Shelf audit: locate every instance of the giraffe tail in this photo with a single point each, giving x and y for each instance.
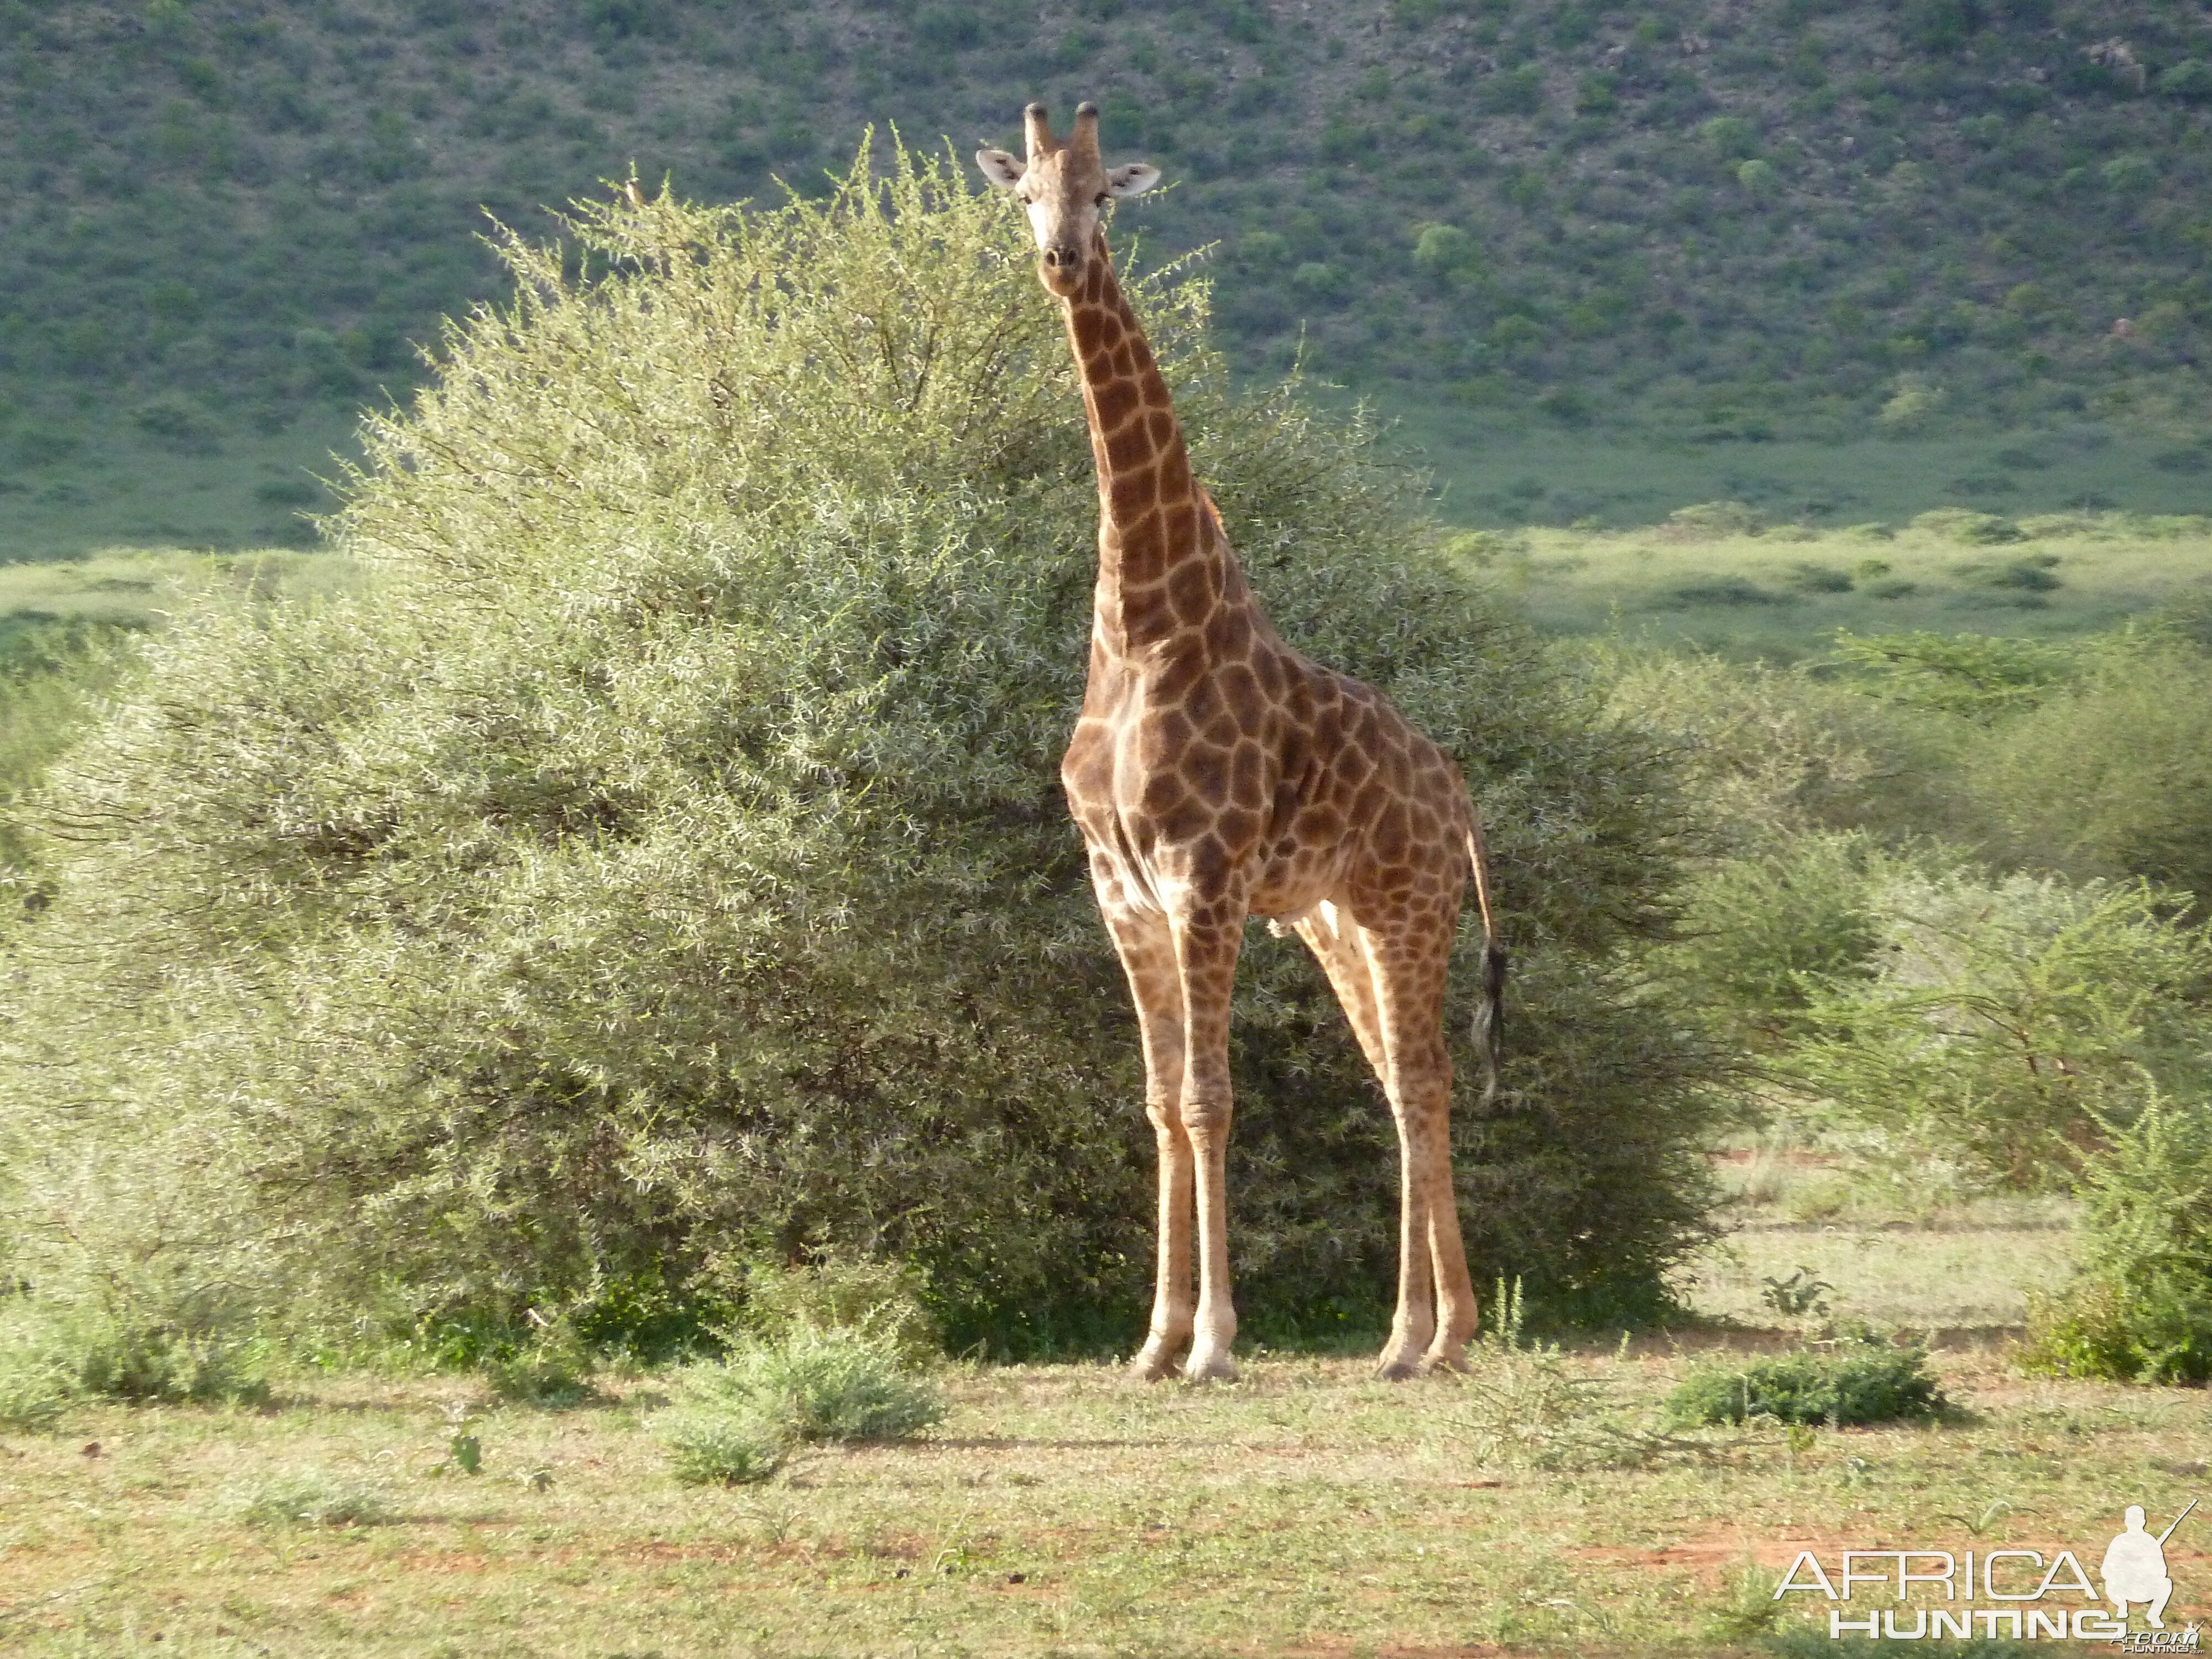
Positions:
(1490, 1012)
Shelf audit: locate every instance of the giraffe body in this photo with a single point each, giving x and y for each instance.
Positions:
(1217, 774)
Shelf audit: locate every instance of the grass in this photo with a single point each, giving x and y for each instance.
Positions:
(1971, 1276)
(1783, 593)
(129, 585)
(1888, 1253)
(1058, 1510)
(1493, 470)
(312, 1497)
(121, 492)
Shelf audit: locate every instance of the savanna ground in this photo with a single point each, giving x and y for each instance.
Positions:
(1532, 1507)
(1061, 1509)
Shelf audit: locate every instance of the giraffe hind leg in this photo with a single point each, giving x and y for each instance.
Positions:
(1407, 965)
(1432, 1260)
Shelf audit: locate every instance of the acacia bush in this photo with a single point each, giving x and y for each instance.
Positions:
(2112, 774)
(1772, 753)
(2000, 1025)
(661, 863)
(2141, 1309)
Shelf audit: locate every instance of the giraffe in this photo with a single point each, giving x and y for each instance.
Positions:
(1216, 773)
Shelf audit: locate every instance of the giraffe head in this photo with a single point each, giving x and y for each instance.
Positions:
(1063, 186)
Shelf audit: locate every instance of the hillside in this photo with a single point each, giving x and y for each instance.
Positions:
(1702, 224)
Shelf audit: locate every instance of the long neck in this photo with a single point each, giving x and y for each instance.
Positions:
(1164, 565)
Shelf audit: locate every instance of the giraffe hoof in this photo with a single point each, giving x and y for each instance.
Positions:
(1393, 1370)
(1443, 1362)
(1214, 1367)
(1155, 1360)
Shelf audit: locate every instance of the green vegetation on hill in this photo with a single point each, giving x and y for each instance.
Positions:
(1681, 219)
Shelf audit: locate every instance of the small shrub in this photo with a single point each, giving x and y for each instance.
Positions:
(1771, 753)
(1712, 522)
(1484, 548)
(181, 423)
(142, 1357)
(825, 1385)
(1866, 1383)
(1569, 405)
(1758, 928)
(727, 1448)
(738, 1419)
(288, 492)
(1809, 578)
(1515, 92)
(33, 1390)
(2189, 80)
(555, 1371)
(2031, 575)
(1720, 589)
(315, 1498)
(1445, 252)
(1972, 529)
(1530, 1407)
(1801, 1294)
(2009, 1020)
(867, 1295)
(1729, 136)
(2157, 1329)
(2128, 176)
(1263, 248)
(1911, 407)
(1977, 675)
(2109, 773)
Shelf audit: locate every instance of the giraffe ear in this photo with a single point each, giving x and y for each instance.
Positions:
(1003, 171)
(1132, 180)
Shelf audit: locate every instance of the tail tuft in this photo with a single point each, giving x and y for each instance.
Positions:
(1490, 1016)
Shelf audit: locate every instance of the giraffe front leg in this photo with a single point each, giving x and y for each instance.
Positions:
(1206, 950)
(1173, 1313)
(1147, 951)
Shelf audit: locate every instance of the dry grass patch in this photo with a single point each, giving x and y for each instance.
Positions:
(1865, 1251)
